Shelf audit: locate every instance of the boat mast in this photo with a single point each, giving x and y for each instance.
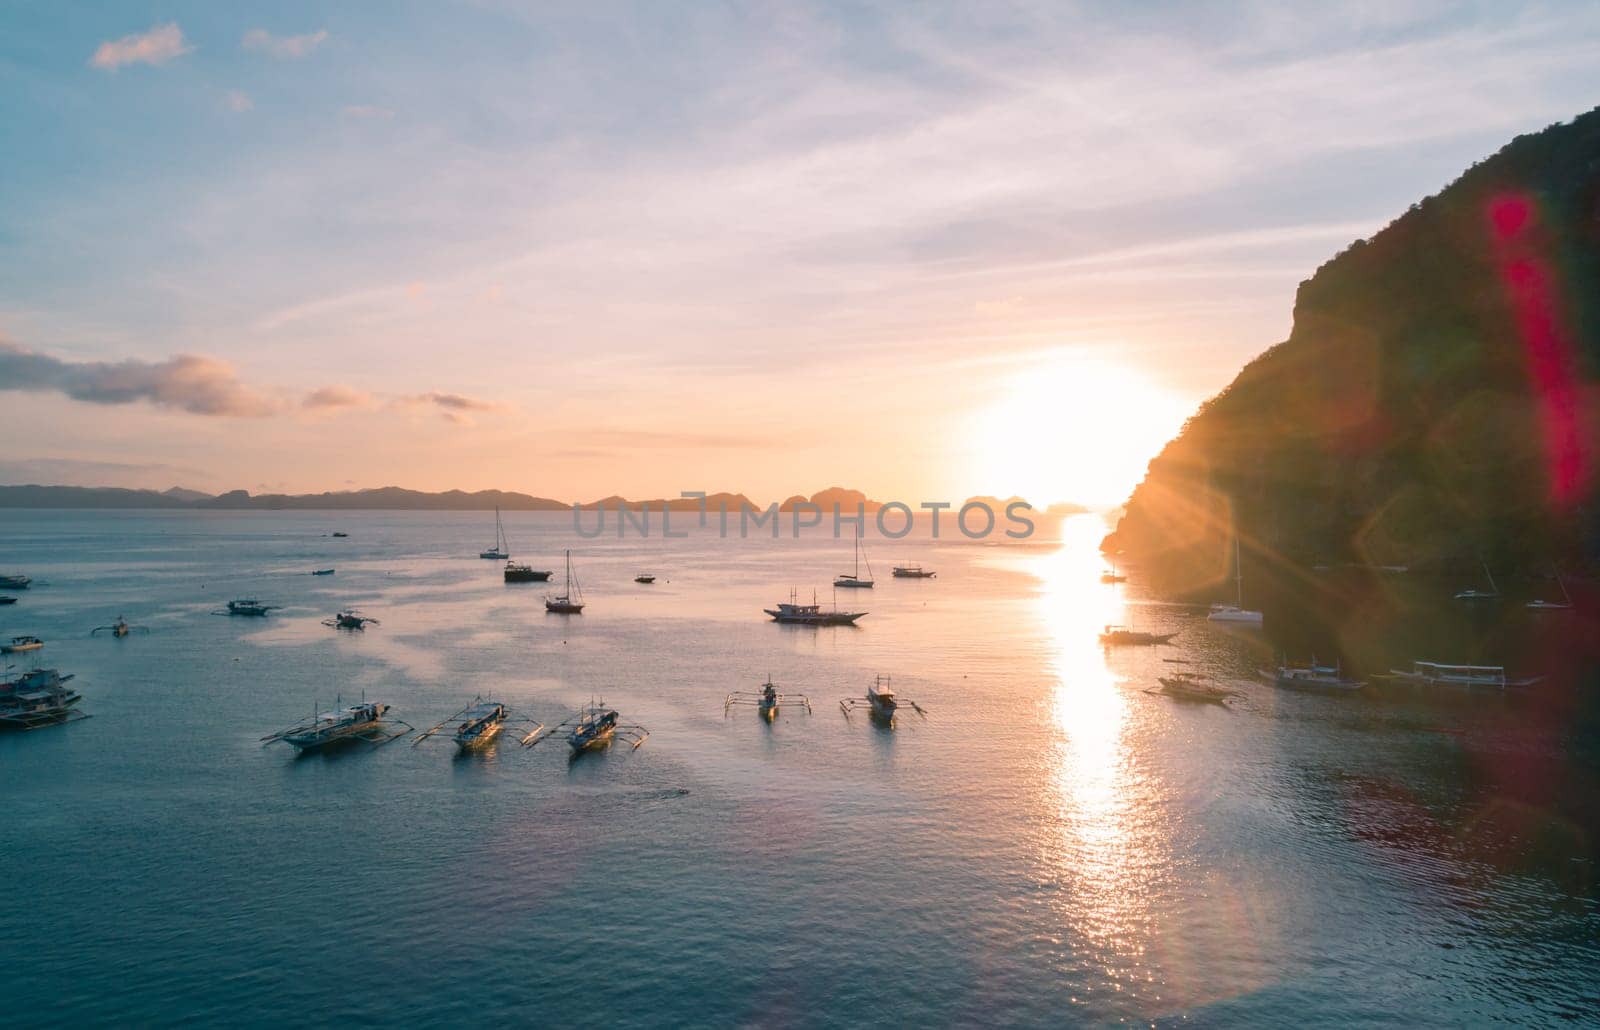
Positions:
(1238, 570)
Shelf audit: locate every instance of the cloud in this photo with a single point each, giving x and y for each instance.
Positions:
(452, 407)
(331, 398)
(367, 111)
(158, 46)
(238, 101)
(188, 382)
(288, 48)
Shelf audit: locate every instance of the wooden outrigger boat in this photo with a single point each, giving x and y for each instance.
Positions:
(881, 702)
(14, 582)
(119, 629)
(645, 578)
(912, 572)
(1471, 677)
(1186, 686)
(1116, 636)
(39, 697)
(247, 606)
(350, 620)
(767, 700)
(322, 572)
(795, 614)
(479, 723)
(593, 728)
(1311, 677)
(363, 722)
(21, 645)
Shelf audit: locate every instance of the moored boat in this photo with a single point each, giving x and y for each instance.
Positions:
(1113, 636)
(479, 723)
(913, 572)
(645, 578)
(14, 582)
(855, 580)
(21, 645)
(322, 572)
(517, 572)
(767, 701)
(1470, 677)
(1188, 686)
(247, 606)
(1312, 676)
(501, 550)
(794, 613)
(593, 728)
(1236, 613)
(363, 722)
(39, 697)
(570, 600)
(880, 702)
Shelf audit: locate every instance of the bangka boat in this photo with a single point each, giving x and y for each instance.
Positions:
(7, 599)
(39, 697)
(1476, 596)
(881, 702)
(1312, 676)
(519, 573)
(500, 551)
(593, 728)
(341, 534)
(1236, 613)
(21, 645)
(854, 580)
(14, 582)
(570, 600)
(794, 613)
(1563, 605)
(913, 572)
(1439, 674)
(1113, 636)
(767, 700)
(363, 722)
(118, 629)
(322, 572)
(1188, 686)
(247, 606)
(645, 578)
(479, 723)
(350, 620)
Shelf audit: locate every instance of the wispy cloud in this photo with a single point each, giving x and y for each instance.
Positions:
(158, 46)
(285, 47)
(452, 407)
(188, 382)
(336, 397)
(237, 101)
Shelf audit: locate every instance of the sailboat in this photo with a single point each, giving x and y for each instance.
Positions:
(500, 551)
(1473, 594)
(570, 600)
(1236, 613)
(854, 579)
(1563, 605)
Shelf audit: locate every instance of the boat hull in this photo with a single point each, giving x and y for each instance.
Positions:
(527, 576)
(563, 608)
(481, 739)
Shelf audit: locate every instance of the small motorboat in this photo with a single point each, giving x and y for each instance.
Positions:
(322, 572)
(881, 702)
(118, 629)
(1117, 636)
(21, 645)
(766, 701)
(363, 722)
(1187, 686)
(341, 534)
(479, 723)
(516, 572)
(249, 607)
(38, 698)
(644, 577)
(350, 620)
(14, 582)
(913, 572)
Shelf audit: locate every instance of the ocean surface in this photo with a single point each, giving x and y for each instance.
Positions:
(1051, 845)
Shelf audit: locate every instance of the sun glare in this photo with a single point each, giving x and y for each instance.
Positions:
(1073, 429)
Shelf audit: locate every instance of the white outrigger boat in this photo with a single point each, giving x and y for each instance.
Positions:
(796, 614)
(1438, 674)
(881, 702)
(21, 645)
(479, 723)
(766, 701)
(593, 728)
(363, 722)
(39, 697)
(501, 550)
(1311, 677)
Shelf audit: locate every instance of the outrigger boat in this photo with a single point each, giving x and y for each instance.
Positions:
(118, 629)
(1186, 686)
(20, 645)
(880, 702)
(913, 572)
(570, 600)
(480, 723)
(766, 701)
(593, 728)
(1116, 636)
(811, 614)
(7, 599)
(645, 578)
(1437, 674)
(37, 698)
(854, 580)
(15, 582)
(322, 572)
(350, 620)
(1311, 677)
(518, 573)
(500, 551)
(340, 534)
(363, 722)
(248, 606)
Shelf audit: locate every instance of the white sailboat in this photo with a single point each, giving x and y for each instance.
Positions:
(1473, 594)
(1564, 605)
(500, 551)
(570, 600)
(1236, 614)
(854, 579)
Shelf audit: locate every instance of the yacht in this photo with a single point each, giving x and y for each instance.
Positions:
(500, 551)
(1563, 605)
(854, 580)
(570, 600)
(1473, 595)
(1237, 614)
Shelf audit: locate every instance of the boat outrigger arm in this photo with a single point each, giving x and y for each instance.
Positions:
(763, 699)
(856, 704)
(512, 718)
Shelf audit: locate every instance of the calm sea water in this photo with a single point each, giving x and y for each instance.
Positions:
(1050, 846)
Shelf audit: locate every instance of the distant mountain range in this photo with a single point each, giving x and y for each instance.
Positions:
(393, 498)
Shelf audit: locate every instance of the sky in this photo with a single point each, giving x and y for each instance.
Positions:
(926, 250)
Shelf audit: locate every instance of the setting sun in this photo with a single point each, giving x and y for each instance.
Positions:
(1071, 428)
